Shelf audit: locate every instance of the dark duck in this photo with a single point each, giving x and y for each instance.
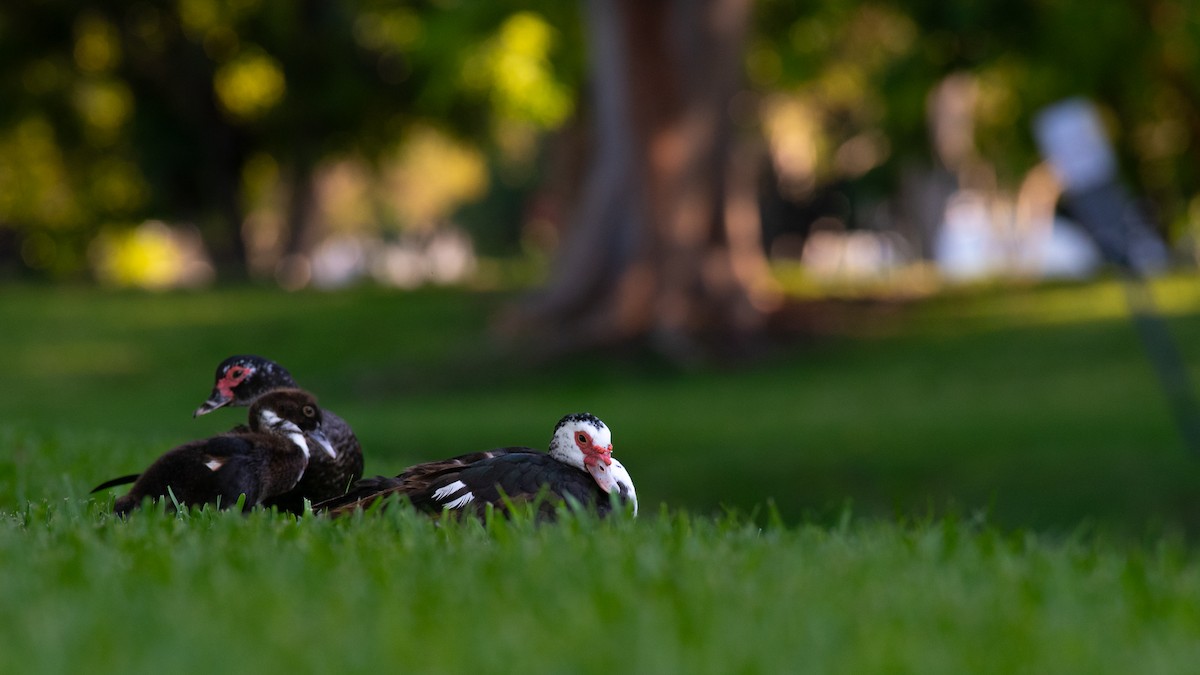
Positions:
(579, 467)
(265, 460)
(240, 380)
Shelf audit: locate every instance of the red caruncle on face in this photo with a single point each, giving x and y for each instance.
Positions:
(592, 454)
(232, 378)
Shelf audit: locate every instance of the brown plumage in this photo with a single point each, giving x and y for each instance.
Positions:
(262, 462)
(364, 493)
(240, 380)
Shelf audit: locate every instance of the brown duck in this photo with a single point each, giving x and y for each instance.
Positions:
(240, 380)
(331, 470)
(262, 462)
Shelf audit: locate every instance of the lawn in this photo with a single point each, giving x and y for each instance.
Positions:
(987, 481)
(1037, 405)
(663, 594)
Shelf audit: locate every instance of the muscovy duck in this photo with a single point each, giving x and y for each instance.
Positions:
(262, 462)
(240, 380)
(578, 467)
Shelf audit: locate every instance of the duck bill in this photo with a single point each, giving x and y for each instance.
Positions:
(317, 436)
(599, 464)
(603, 477)
(215, 400)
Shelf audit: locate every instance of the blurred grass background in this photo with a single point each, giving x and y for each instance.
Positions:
(1034, 404)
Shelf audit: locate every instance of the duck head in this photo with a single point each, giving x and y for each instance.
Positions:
(581, 440)
(292, 413)
(241, 379)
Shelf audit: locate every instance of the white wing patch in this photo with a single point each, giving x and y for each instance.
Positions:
(460, 502)
(444, 492)
(449, 490)
(214, 463)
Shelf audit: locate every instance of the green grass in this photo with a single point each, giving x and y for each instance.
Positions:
(1035, 404)
(987, 481)
(663, 594)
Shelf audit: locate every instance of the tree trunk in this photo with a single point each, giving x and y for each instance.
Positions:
(223, 176)
(665, 244)
(300, 226)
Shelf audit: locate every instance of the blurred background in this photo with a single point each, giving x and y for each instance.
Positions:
(707, 179)
(321, 142)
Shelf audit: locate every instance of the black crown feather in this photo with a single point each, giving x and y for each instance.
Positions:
(579, 417)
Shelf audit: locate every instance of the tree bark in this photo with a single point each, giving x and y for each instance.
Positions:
(665, 244)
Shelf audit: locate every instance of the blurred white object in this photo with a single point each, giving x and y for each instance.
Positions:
(967, 246)
(444, 256)
(1071, 137)
(854, 256)
(338, 261)
(1064, 252)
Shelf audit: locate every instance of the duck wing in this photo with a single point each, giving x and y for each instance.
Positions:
(216, 470)
(364, 493)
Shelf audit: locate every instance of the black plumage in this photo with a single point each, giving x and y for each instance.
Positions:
(262, 462)
(516, 475)
(366, 492)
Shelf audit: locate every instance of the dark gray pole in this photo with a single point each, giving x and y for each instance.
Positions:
(1072, 140)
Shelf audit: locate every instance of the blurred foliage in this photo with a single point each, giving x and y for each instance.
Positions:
(211, 112)
(861, 72)
(202, 111)
(412, 197)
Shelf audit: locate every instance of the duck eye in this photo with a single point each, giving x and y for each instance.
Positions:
(309, 411)
(582, 437)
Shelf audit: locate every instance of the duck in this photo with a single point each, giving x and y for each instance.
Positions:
(579, 467)
(240, 380)
(263, 461)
